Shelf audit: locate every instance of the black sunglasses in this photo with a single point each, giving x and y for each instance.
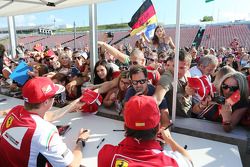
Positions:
(48, 59)
(150, 59)
(123, 68)
(231, 88)
(142, 81)
(77, 58)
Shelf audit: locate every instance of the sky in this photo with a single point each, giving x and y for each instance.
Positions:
(121, 11)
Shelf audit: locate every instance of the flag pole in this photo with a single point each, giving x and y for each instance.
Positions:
(176, 59)
(119, 40)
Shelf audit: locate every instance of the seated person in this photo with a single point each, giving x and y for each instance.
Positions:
(27, 127)
(228, 113)
(141, 86)
(117, 94)
(140, 147)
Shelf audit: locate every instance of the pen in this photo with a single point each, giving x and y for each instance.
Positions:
(67, 130)
(169, 126)
(2, 100)
(118, 130)
(100, 143)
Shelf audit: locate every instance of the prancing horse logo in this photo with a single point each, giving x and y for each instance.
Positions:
(9, 121)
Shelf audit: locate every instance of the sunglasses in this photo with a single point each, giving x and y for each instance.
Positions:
(123, 68)
(231, 88)
(133, 62)
(150, 59)
(48, 59)
(142, 81)
(77, 58)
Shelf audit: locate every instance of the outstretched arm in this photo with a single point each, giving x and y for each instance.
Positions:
(54, 115)
(113, 51)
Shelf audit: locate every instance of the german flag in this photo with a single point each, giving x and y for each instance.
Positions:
(144, 17)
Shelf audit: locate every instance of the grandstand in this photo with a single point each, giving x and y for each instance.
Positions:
(211, 36)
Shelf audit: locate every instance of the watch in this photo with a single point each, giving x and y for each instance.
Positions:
(80, 140)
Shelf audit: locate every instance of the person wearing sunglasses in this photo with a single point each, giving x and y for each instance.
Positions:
(140, 86)
(135, 58)
(233, 109)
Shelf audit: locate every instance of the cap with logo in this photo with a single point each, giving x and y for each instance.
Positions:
(92, 100)
(39, 89)
(141, 113)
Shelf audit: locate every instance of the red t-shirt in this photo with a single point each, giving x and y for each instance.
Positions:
(132, 153)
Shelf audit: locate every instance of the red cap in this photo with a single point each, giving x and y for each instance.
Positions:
(92, 100)
(49, 53)
(39, 89)
(38, 47)
(141, 113)
(202, 85)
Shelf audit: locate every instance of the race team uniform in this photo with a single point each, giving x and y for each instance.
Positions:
(31, 141)
(133, 153)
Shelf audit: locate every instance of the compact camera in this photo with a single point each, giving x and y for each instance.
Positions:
(110, 34)
(218, 99)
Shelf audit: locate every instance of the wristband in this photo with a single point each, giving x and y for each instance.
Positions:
(82, 141)
(227, 123)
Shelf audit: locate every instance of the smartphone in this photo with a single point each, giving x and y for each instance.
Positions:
(234, 98)
(62, 129)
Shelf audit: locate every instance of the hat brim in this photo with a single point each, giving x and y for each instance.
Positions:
(60, 89)
(245, 67)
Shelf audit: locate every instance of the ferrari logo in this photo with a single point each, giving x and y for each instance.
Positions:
(9, 121)
(121, 163)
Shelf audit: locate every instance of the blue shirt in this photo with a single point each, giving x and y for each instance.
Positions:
(151, 89)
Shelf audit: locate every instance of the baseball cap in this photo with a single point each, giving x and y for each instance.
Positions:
(49, 53)
(141, 113)
(39, 89)
(202, 85)
(247, 66)
(38, 47)
(92, 100)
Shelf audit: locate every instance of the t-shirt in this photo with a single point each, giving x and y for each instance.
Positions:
(28, 140)
(184, 102)
(151, 89)
(132, 153)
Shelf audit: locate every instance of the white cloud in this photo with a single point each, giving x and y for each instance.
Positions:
(231, 16)
(23, 20)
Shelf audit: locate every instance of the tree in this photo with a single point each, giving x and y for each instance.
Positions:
(207, 18)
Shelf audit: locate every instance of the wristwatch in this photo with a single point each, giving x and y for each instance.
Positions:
(80, 140)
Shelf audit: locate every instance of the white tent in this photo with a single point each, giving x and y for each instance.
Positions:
(19, 7)
(13, 8)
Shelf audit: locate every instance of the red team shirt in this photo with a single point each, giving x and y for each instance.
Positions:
(132, 153)
(28, 140)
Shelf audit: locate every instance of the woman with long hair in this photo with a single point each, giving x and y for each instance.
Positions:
(117, 94)
(102, 72)
(160, 40)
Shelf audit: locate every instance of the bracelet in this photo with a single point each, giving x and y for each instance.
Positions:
(81, 140)
(227, 123)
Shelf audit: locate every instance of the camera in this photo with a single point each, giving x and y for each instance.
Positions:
(110, 34)
(218, 99)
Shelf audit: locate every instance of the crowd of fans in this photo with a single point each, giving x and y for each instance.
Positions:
(147, 68)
